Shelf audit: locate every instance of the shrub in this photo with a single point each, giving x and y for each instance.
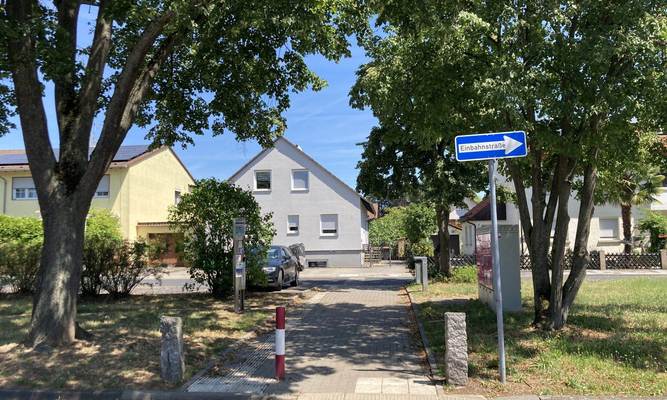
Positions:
(19, 263)
(424, 247)
(205, 218)
(131, 264)
(466, 274)
(20, 252)
(102, 241)
(389, 228)
(655, 225)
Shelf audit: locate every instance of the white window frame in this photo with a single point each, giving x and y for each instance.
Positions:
(177, 196)
(295, 189)
(255, 180)
(616, 230)
(289, 225)
(322, 233)
(97, 189)
(29, 193)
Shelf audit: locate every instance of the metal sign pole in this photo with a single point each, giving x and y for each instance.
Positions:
(238, 265)
(497, 293)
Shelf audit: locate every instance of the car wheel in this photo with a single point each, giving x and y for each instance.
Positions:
(295, 282)
(279, 281)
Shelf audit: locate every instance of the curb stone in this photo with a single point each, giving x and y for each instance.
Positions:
(430, 354)
(235, 346)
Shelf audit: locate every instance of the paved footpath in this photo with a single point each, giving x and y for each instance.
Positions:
(351, 338)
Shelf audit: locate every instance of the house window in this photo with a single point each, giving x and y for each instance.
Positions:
(262, 180)
(23, 189)
(103, 187)
(329, 224)
(293, 224)
(300, 179)
(177, 197)
(608, 228)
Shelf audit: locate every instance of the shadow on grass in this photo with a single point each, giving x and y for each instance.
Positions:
(602, 332)
(126, 345)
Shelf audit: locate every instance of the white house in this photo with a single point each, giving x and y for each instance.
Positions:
(310, 205)
(606, 229)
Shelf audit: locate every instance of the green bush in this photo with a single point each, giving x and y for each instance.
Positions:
(205, 218)
(424, 247)
(466, 274)
(102, 241)
(131, 264)
(655, 225)
(19, 263)
(389, 228)
(20, 252)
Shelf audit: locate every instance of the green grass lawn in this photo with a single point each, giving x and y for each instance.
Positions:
(126, 348)
(615, 341)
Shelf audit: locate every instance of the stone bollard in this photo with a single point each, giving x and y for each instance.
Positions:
(663, 258)
(456, 349)
(603, 260)
(172, 359)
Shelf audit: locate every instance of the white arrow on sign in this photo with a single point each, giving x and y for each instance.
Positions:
(508, 144)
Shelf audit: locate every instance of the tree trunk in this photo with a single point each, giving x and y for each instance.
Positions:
(559, 245)
(581, 255)
(626, 216)
(442, 216)
(537, 232)
(54, 304)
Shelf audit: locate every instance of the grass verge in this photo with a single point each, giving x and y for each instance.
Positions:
(615, 341)
(126, 349)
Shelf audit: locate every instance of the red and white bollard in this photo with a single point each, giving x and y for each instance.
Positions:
(280, 343)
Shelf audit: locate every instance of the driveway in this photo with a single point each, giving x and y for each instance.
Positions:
(353, 336)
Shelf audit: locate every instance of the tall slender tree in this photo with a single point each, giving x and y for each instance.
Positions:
(175, 67)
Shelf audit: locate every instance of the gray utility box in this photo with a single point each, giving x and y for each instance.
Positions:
(510, 270)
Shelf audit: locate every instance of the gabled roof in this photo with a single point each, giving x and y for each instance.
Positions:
(124, 154)
(367, 203)
(482, 211)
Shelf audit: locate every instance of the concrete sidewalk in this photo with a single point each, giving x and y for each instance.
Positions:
(352, 338)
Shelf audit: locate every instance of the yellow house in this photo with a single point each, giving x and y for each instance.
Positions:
(139, 188)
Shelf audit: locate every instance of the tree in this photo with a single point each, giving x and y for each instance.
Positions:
(397, 163)
(175, 67)
(582, 79)
(632, 178)
(205, 217)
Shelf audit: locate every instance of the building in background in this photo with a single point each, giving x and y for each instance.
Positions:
(309, 204)
(139, 187)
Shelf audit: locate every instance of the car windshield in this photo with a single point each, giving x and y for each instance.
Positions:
(274, 252)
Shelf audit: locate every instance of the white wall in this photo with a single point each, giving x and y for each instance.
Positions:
(326, 195)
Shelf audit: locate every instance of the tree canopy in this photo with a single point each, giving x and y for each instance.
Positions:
(583, 80)
(176, 68)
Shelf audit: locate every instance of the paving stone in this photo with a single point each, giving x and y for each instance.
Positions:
(345, 339)
(368, 385)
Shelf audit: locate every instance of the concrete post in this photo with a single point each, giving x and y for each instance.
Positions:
(603, 260)
(172, 359)
(456, 349)
(663, 258)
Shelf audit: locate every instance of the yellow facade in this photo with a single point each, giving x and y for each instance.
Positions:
(140, 192)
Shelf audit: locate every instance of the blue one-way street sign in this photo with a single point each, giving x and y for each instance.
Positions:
(488, 146)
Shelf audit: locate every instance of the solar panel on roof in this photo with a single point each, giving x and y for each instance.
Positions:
(125, 153)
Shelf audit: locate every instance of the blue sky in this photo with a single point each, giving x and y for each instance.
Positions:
(322, 123)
